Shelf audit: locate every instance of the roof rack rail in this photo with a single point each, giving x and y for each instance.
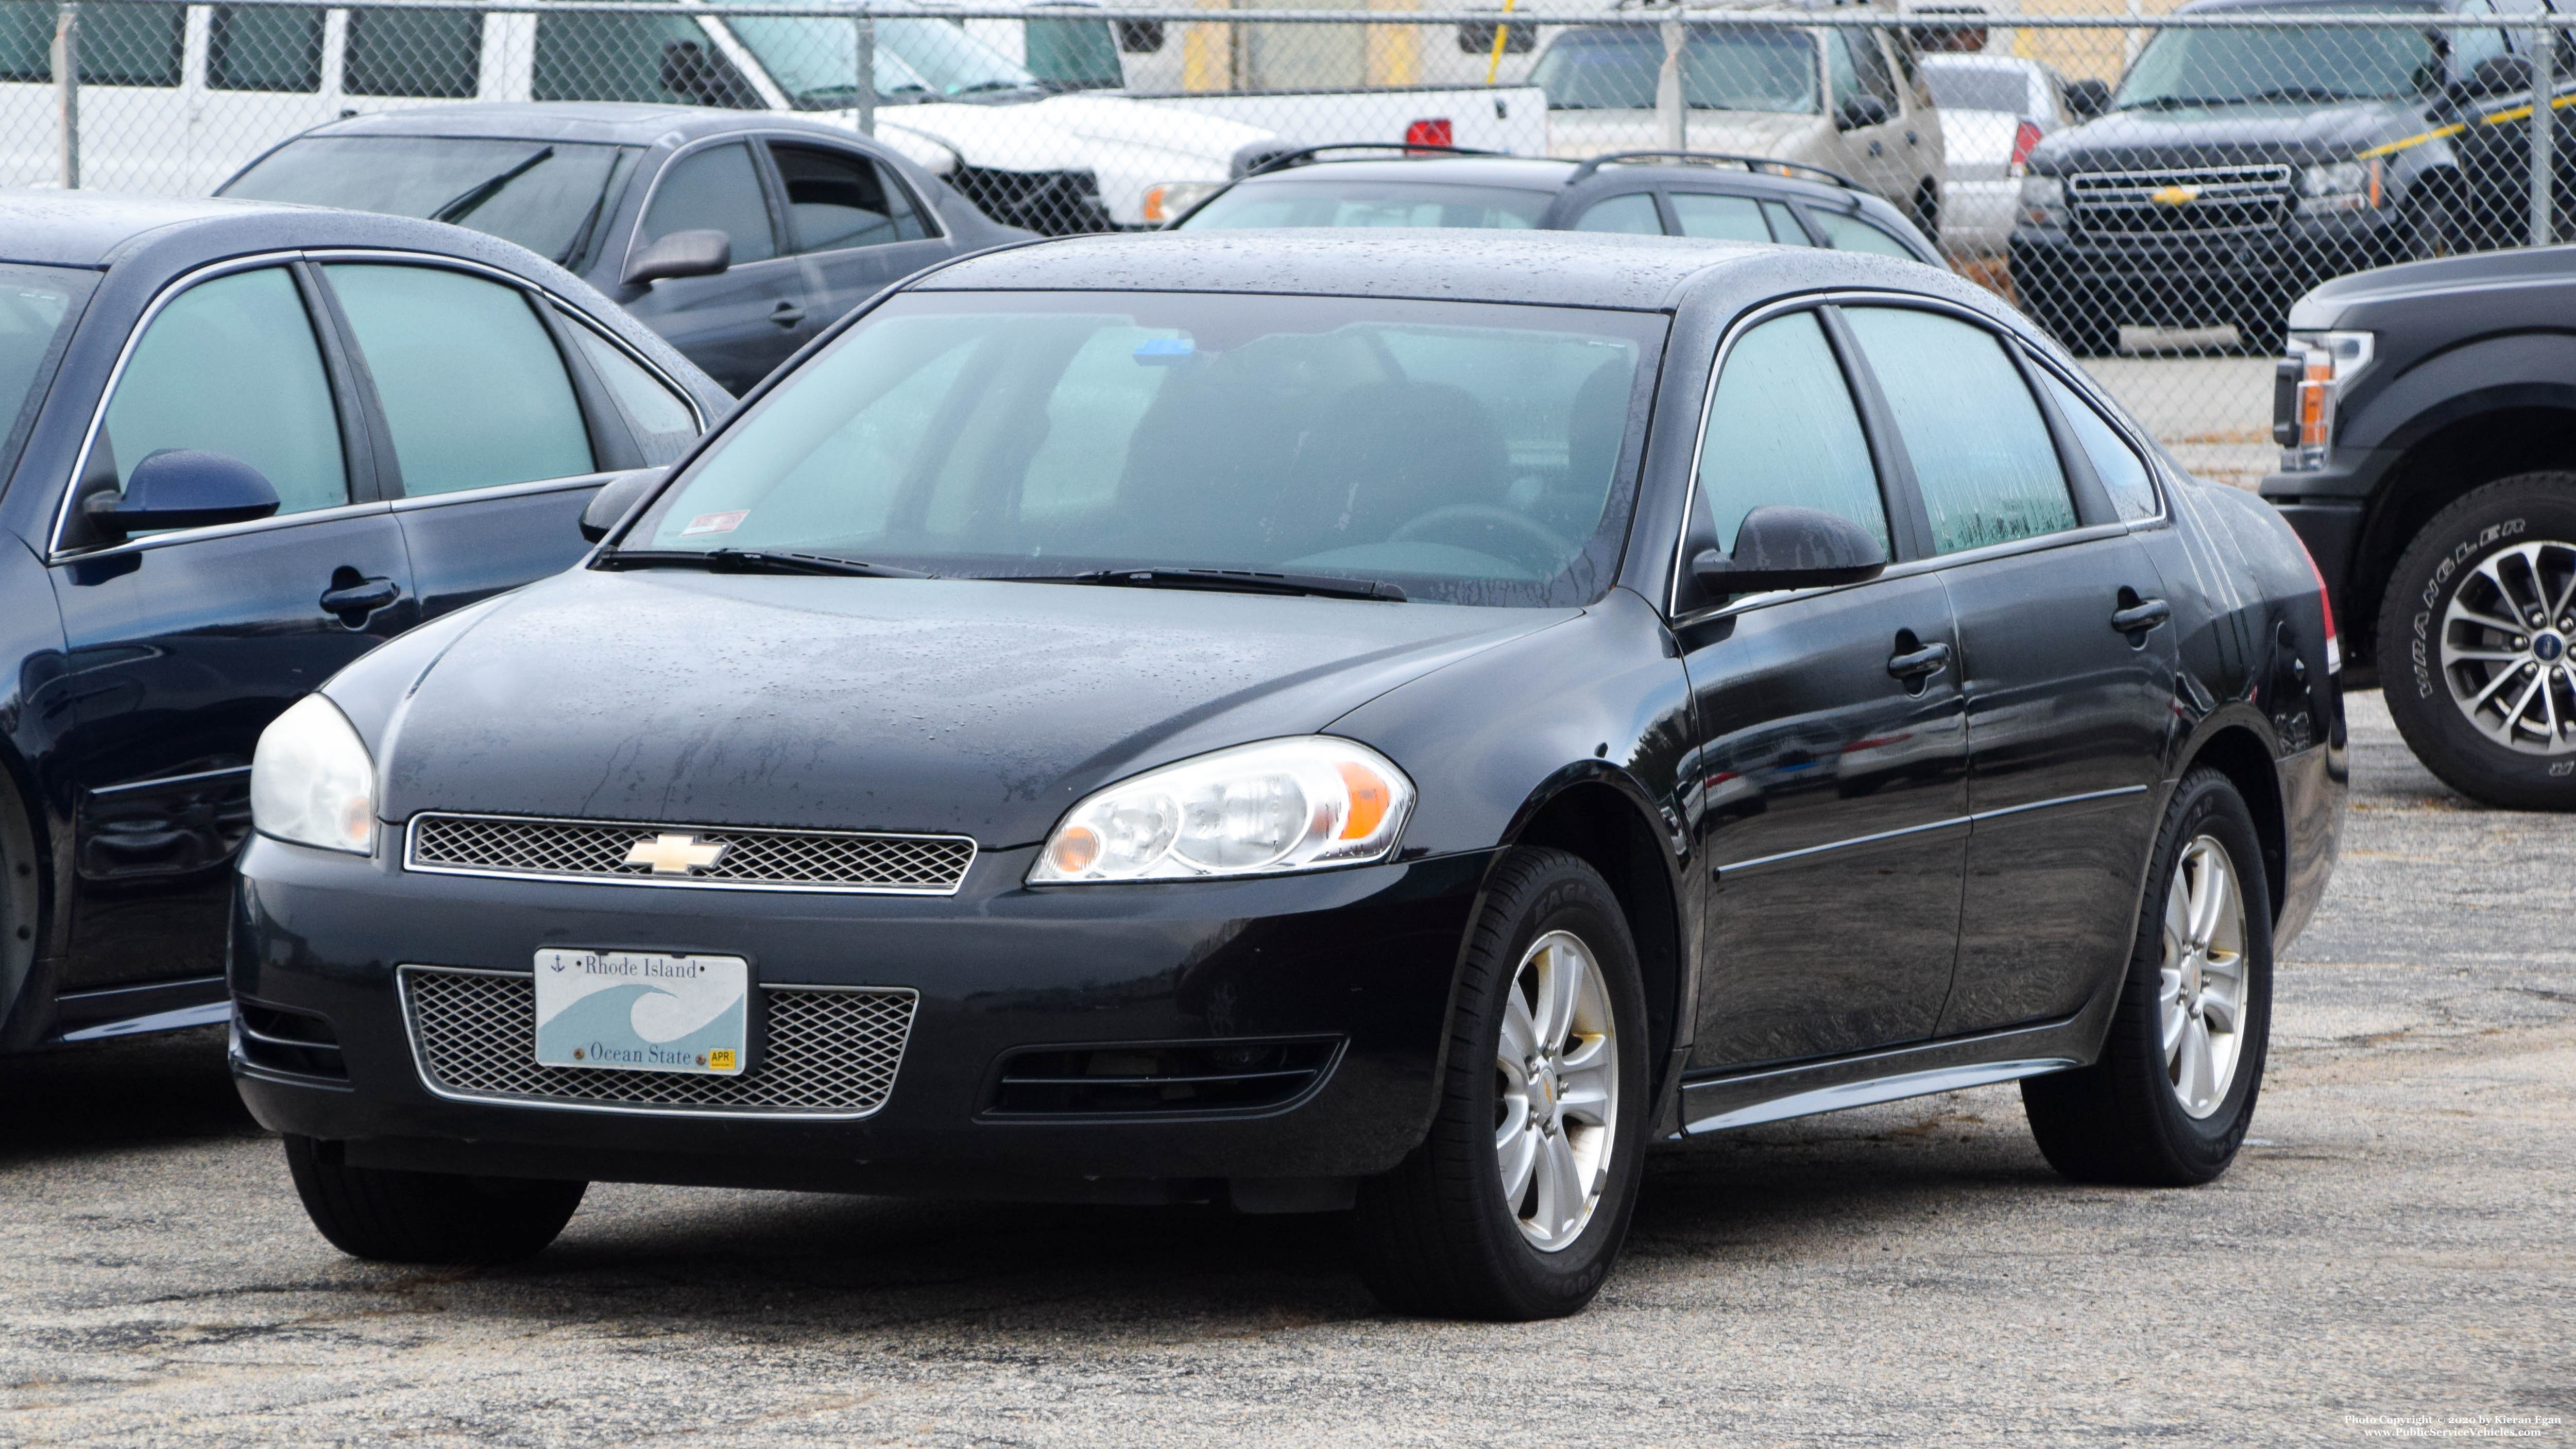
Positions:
(1286, 159)
(1773, 165)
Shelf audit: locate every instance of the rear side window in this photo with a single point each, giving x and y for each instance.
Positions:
(1851, 234)
(836, 200)
(230, 366)
(264, 50)
(1734, 218)
(1782, 429)
(713, 190)
(657, 59)
(660, 420)
(2123, 475)
(1981, 451)
(414, 52)
(1633, 213)
(472, 387)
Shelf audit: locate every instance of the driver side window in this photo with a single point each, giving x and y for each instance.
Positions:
(1782, 429)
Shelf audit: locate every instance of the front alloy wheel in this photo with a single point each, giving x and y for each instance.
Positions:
(1556, 1091)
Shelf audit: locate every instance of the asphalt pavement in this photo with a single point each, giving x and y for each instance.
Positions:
(2393, 1253)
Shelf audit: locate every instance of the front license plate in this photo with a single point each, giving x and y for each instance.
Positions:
(641, 1011)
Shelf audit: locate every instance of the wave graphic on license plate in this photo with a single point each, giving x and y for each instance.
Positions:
(642, 1011)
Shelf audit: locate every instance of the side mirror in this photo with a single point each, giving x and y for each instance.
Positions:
(1783, 547)
(681, 254)
(2496, 75)
(1859, 111)
(2086, 99)
(181, 488)
(617, 498)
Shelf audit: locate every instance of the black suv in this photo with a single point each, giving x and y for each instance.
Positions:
(2235, 168)
(2427, 416)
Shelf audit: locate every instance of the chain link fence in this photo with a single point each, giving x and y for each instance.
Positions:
(2153, 189)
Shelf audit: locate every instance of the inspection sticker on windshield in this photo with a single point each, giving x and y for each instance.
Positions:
(641, 1011)
(716, 522)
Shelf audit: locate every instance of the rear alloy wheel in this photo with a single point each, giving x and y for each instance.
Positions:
(2477, 643)
(389, 1216)
(2168, 1102)
(1515, 1204)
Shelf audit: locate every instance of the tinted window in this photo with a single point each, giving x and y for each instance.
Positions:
(26, 40)
(1782, 429)
(1981, 452)
(660, 59)
(1633, 213)
(230, 366)
(1729, 218)
(38, 307)
(837, 200)
(120, 45)
(1371, 203)
(414, 52)
(264, 50)
(545, 195)
(658, 418)
(472, 387)
(1465, 451)
(2123, 474)
(713, 190)
(1851, 234)
(1739, 68)
(1860, 64)
(1074, 54)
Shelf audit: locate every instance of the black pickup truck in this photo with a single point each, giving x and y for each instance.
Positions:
(2427, 421)
(2234, 168)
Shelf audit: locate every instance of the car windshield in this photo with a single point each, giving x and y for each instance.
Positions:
(545, 195)
(2288, 65)
(815, 61)
(1323, 202)
(1739, 68)
(38, 307)
(1978, 87)
(1461, 451)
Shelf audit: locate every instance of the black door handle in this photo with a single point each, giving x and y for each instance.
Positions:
(1920, 663)
(2141, 617)
(786, 313)
(363, 597)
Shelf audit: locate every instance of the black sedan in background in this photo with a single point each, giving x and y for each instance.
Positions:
(242, 445)
(737, 237)
(1644, 193)
(1184, 718)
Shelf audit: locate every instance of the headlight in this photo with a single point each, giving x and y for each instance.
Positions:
(2341, 186)
(1168, 201)
(2043, 200)
(1252, 810)
(2309, 385)
(312, 782)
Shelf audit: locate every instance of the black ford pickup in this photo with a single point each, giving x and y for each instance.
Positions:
(2427, 417)
(2235, 168)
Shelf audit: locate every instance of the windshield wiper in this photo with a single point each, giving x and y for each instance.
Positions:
(2177, 103)
(464, 203)
(1230, 581)
(2307, 93)
(757, 561)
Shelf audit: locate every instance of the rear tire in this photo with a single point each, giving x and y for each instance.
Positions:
(2144, 1113)
(387, 1216)
(2476, 721)
(1445, 1234)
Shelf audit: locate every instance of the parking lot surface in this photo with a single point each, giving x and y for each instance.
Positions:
(2394, 1245)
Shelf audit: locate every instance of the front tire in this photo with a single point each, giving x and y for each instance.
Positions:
(1516, 1203)
(387, 1216)
(2477, 643)
(2168, 1102)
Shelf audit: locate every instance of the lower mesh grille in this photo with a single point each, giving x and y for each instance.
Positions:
(825, 1051)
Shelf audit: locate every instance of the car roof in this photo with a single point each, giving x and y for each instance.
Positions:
(2202, 7)
(1543, 174)
(1559, 268)
(603, 122)
(85, 228)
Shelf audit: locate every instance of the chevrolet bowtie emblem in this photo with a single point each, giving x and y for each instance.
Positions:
(2174, 195)
(676, 854)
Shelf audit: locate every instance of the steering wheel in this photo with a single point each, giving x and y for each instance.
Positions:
(1473, 525)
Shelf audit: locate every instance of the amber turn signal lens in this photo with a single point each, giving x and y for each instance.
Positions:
(1369, 801)
(1074, 850)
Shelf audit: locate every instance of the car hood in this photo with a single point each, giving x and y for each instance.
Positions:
(2478, 277)
(1127, 145)
(2225, 136)
(959, 706)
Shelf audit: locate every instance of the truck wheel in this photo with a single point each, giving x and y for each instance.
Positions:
(427, 1217)
(2475, 635)
(1516, 1203)
(2168, 1103)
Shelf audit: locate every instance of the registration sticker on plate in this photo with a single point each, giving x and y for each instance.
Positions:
(642, 1011)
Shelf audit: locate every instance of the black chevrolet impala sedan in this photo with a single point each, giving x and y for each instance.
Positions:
(1314, 722)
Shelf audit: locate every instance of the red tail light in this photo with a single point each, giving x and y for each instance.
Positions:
(2025, 136)
(1433, 132)
(2334, 647)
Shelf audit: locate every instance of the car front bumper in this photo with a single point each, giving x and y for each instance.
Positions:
(1363, 958)
(2200, 279)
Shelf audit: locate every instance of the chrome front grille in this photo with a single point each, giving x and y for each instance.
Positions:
(2200, 199)
(781, 860)
(823, 1052)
